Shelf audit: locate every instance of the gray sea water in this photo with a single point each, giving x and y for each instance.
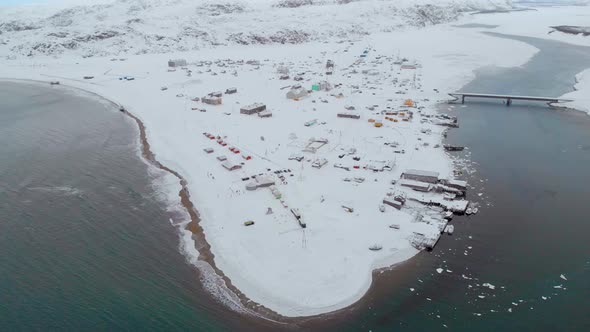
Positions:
(85, 240)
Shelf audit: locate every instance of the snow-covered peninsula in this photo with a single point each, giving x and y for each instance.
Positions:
(315, 120)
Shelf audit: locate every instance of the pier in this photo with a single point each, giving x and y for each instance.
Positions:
(508, 98)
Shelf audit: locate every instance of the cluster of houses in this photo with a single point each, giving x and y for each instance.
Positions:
(420, 180)
(428, 181)
(214, 98)
(395, 200)
(225, 162)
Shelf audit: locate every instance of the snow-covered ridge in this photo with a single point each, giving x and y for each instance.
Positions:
(159, 26)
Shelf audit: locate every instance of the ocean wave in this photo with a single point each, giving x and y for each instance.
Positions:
(59, 190)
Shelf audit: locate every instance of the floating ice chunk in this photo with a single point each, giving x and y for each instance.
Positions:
(509, 309)
(558, 286)
(488, 285)
(412, 289)
(481, 296)
(439, 270)
(563, 277)
(544, 298)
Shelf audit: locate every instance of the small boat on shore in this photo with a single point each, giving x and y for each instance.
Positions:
(376, 247)
(453, 147)
(394, 226)
(448, 215)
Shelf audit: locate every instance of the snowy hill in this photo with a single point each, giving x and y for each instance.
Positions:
(157, 26)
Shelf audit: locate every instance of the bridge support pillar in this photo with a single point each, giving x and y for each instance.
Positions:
(463, 99)
(508, 102)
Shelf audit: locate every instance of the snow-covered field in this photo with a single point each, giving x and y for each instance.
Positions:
(148, 26)
(581, 95)
(328, 265)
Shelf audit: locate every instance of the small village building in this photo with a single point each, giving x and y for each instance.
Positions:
(319, 163)
(211, 100)
(253, 108)
(325, 86)
(457, 184)
(265, 114)
(230, 166)
(208, 150)
(216, 94)
(231, 91)
(296, 157)
(416, 185)
(260, 182)
(297, 92)
(275, 192)
(401, 197)
(176, 63)
(310, 122)
(393, 203)
(264, 182)
(419, 175)
(349, 115)
(283, 70)
(221, 158)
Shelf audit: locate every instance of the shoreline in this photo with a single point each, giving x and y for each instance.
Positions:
(193, 226)
(197, 234)
(250, 307)
(380, 289)
(301, 313)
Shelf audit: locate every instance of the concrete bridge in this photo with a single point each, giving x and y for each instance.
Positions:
(508, 98)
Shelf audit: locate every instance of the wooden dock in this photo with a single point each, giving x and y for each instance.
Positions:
(509, 98)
